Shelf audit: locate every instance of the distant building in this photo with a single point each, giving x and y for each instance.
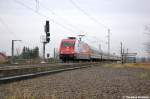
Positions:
(3, 58)
(131, 59)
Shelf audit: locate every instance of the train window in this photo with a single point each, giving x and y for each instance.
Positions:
(65, 44)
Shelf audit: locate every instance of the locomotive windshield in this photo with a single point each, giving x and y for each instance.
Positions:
(66, 44)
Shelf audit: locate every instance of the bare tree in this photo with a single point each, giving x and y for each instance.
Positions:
(147, 44)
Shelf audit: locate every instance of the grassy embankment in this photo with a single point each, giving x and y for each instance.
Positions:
(141, 75)
(133, 65)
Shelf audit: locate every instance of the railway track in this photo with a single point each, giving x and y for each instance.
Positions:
(7, 78)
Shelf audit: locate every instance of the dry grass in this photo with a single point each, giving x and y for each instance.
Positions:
(133, 65)
(143, 75)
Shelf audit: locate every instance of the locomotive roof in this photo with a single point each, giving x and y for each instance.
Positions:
(69, 40)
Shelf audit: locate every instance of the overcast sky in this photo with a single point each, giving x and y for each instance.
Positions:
(25, 19)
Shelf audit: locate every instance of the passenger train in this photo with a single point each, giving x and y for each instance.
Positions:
(74, 49)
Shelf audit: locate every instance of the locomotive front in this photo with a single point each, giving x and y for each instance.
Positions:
(67, 49)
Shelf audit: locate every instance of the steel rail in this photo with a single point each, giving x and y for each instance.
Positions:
(10, 79)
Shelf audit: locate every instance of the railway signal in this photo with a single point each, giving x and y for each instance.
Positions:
(47, 26)
(47, 38)
(47, 32)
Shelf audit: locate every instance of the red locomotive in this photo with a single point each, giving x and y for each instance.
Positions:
(66, 51)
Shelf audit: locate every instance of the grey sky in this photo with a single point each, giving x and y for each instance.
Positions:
(125, 18)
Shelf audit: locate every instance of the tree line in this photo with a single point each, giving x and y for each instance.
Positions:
(28, 53)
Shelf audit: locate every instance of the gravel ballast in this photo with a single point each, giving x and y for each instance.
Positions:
(96, 82)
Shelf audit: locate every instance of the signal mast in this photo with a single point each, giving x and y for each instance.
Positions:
(47, 38)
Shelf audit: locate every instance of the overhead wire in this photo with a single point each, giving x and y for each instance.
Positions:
(8, 28)
(88, 15)
(67, 22)
(52, 12)
(47, 17)
(63, 26)
(10, 32)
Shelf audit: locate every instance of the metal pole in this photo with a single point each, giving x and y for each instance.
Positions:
(121, 54)
(100, 49)
(80, 37)
(44, 51)
(108, 42)
(54, 54)
(12, 52)
(127, 56)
